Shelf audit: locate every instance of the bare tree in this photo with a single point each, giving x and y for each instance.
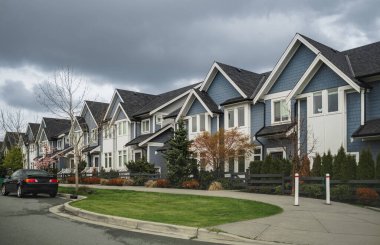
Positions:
(12, 120)
(63, 96)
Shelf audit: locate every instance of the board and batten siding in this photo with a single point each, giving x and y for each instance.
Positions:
(294, 70)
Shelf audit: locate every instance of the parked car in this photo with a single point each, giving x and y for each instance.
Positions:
(30, 181)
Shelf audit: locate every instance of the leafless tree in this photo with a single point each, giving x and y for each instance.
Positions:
(63, 96)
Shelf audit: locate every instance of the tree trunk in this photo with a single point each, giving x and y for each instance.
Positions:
(76, 163)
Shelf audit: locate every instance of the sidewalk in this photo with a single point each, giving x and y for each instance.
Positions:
(312, 222)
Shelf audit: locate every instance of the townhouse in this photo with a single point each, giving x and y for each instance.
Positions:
(314, 100)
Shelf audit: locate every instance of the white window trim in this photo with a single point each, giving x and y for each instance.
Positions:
(325, 102)
(277, 149)
(272, 112)
(236, 116)
(142, 126)
(134, 154)
(260, 155)
(198, 121)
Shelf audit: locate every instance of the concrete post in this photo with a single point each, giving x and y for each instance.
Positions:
(328, 189)
(296, 189)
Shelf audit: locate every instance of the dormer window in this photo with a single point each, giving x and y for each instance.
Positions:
(280, 111)
(145, 126)
(159, 120)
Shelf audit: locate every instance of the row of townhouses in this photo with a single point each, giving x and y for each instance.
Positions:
(330, 97)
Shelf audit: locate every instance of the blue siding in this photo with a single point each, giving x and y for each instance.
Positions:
(214, 124)
(294, 70)
(303, 126)
(163, 137)
(120, 115)
(257, 118)
(268, 106)
(221, 90)
(157, 159)
(196, 108)
(373, 101)
(221, 121)
(353, 123)
(325, 78)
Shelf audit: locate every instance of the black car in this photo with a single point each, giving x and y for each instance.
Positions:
(30, 181)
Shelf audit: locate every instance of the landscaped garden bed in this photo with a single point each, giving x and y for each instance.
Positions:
(187, 210)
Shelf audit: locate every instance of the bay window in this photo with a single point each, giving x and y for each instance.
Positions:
(194, 124)
(202, 122)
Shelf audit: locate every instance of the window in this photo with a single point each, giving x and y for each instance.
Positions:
(124, 127)
(333, 100)
(125, 157)
(317, 103)
(59, 144)
(281, 111)
(194, 124)
(96, 162)
(94, 135)
(120, 158)
(202, 122)
(230, 118)
(109, 159)
(137, 156)
(241, 162)
(159, 119)
(231, 164)
(105, 159)
(241, 116)
(145, 126)
(257, 154)
(119, 128)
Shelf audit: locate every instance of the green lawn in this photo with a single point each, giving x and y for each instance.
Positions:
(188, 210)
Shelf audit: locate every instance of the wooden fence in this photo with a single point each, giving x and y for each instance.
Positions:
(121, 174)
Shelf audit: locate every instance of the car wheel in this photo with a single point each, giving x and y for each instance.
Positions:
(54, 194)
(4, 191)
(19, 191)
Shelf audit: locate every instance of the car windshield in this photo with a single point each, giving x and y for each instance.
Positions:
(36, 173)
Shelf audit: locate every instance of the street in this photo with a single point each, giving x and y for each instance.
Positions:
(28, 221)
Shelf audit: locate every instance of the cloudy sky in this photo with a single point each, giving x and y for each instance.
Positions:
(154, 46)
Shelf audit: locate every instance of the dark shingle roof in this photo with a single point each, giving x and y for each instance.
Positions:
(370, 128)
(133, 101)
(247, 81)
(208, 101)
(173, 114)
(274, 130)
(163, 98)
(97, 109)
(338, 58)
(56, 127)
(365, 60)
(235, 100)
(139, 139)
(34, 128)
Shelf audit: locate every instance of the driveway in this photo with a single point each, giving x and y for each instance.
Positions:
(312, 222)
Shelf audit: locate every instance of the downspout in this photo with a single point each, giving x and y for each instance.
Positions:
(256, 138)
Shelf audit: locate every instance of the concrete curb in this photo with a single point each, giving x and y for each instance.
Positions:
(155, 227)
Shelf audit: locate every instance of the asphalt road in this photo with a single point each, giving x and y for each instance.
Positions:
(28, 221)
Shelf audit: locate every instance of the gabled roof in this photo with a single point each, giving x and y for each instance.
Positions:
(371, 128)
(157, 133)
(34, 128)
(133, 101)
(163, 98)
(207, 101)
(247, 81)
(82, 123)
(173, 114)
(55, 127)
(139, 139)
(97, 110)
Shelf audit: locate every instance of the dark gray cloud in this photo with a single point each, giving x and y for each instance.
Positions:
(147, 43)
(15, 94)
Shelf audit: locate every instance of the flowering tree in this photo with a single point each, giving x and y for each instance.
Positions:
(215, 148)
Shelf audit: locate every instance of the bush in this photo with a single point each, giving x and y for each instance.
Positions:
(90, 180)
(255, 167)
(215, 186)
(162, 183)
(84, 190)
(231, 184)
(377, 173)
(366, 195)
(278, 190)
(327, 162)
(112, 174)
(349, 168)
(311, 190)
(150, 183)
(104, 181)
(141, 166)
(206, 178)
(190, 184)
(265, 190)
(341, 193)
(128, 182)
(116, 182)
(317, 166)
(366, 166)
(140, 180)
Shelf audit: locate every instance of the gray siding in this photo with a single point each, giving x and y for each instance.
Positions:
(221, 90)
(114, 105)
(214, 124)
(294, 70)
(196, 108)
(157, 159)
(303, 126)
(120, 115)
(257, 118)
(325, 78)
(373, 101)
(268, 106)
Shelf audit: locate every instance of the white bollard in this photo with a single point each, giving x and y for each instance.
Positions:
(328, 189)
(296, 189)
